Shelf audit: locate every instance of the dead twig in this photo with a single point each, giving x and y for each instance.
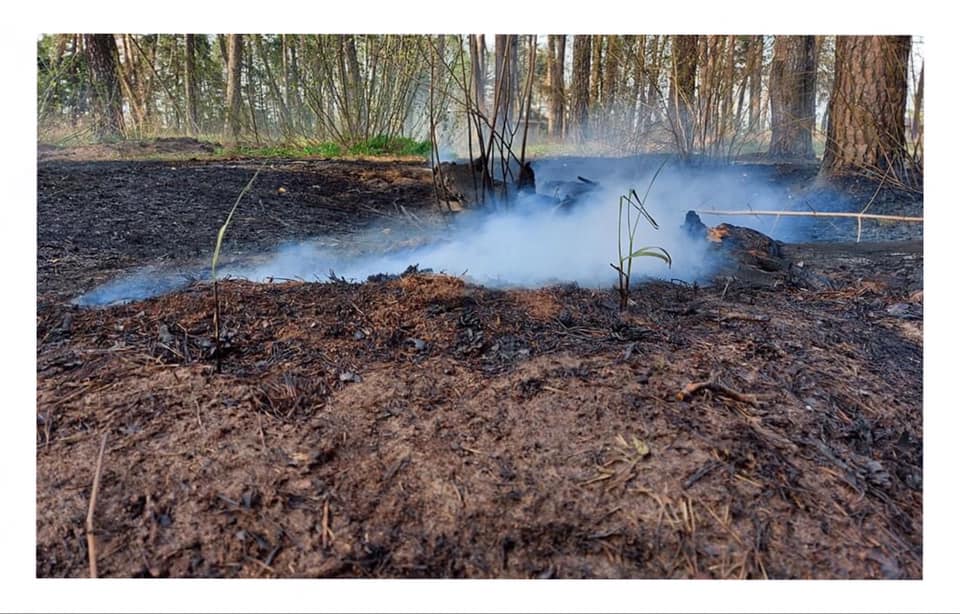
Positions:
(713, 385)
(861, 216)
(263, 439)
(326, 534)
(91, 536)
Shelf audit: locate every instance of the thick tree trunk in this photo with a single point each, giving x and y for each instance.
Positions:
(580, 86)
(104, 63)
(231, 130)
(866, 130)
(793, 91)
(683, 82)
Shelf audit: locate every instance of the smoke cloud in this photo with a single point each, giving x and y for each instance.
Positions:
(532, 243)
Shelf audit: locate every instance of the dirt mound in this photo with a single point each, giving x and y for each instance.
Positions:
(421, 427)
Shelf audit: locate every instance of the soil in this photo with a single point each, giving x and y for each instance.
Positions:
(420, 426)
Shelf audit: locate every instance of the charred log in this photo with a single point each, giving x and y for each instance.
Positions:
(751, 258)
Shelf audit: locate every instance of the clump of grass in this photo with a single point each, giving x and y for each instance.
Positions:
(383, 145)
(632, 209)
(322, 150)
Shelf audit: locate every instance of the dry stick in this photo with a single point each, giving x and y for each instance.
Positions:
(324, 524)
(213, 267)
(91, 538)
(864, 216)
(870, 202)
(711, 384)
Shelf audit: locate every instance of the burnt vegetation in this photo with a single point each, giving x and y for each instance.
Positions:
(760, 417)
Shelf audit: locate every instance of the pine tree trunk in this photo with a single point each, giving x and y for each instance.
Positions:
(104, 64)
(478, 60)
(127, 71)
(612, 60)
(596, 71)
(755, 69)
(637, 107)
(866, 129)
(580, 87)
(683, 81)
(555, 89)
(727, 127)
(793, 91)
(506, 70)
(916, 124)
(653, 79)
(190, 84)
(231, 130)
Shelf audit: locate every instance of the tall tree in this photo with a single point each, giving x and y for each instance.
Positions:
(556, 46)
(580, 87)
(636, 99)
(755, 70)
(793, 93)
(657, 47)
(231, 129)
(727, 125)
(286, 124)
(506, 73)
(866, 129)
(916, 123)
(683, 82)
(104, 63)
(596, 70)
(190, 84)
(478, 70)
(612, 61)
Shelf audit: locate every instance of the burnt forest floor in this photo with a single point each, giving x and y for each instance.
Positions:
(421, 426)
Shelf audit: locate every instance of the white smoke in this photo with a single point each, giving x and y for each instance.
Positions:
(532, 243)
(528, 245)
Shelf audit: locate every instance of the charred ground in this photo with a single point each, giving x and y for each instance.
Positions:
(418, 426)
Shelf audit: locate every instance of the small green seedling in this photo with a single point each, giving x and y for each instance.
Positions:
(633, 208)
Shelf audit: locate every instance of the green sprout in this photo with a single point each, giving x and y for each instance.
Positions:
(633, 209)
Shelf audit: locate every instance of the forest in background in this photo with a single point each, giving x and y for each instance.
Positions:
(854, 100)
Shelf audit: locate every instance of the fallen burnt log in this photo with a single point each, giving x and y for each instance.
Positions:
(752, 258)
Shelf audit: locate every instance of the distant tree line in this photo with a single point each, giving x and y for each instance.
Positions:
(859, 97)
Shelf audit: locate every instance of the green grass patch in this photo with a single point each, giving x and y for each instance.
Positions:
(321, 150)
(391, 146)
(376, 146)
